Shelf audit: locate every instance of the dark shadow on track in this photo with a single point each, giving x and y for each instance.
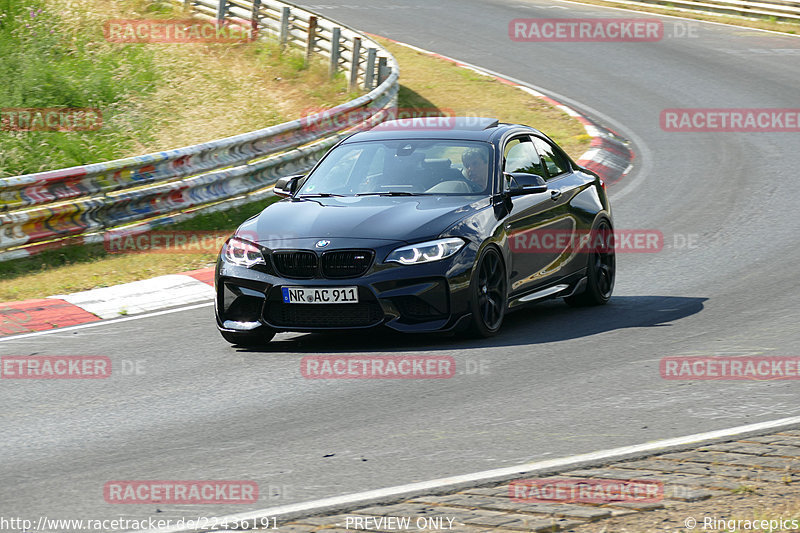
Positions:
(550, 321)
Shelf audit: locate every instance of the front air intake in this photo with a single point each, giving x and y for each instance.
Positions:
(295, 264)
(346, 263)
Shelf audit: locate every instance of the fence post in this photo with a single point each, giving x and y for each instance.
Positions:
(312, 37)
(334, 68)
(221, 9)
(285, 15)
(355, 62)
(255, 19)
(383, 70)
(369, 71)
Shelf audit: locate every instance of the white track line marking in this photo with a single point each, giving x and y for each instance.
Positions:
(105, 322)
(456, 482)
(698, 11)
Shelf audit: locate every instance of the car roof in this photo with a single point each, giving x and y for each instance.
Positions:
(445, 127)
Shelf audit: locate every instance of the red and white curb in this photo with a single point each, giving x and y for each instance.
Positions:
(108, 302)
(608, 154)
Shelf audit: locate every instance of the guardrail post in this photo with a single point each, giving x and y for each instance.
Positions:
(312, 37)
(355, 63)
(222, 9)
(383, 70)
(334, 67)
(286, 13)
(255, 17)
(369, 71)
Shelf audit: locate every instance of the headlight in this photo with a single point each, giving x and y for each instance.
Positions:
(242, 253)
(425, 252)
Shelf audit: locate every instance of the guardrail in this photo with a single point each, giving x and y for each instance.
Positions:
(80, 204)
(780, 10)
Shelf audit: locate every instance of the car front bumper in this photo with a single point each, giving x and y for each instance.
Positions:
(409, 298)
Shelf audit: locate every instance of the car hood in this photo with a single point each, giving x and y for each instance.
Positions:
(393, 218)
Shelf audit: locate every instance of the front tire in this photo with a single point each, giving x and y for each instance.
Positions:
(248, 339)
(488, 294)
(600, 270)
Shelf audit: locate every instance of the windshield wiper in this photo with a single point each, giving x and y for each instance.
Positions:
(319, 195)
(387, 193)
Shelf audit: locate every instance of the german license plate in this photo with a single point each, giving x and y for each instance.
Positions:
(320, 295)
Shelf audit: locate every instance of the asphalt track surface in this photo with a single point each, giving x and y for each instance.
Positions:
(556, 382)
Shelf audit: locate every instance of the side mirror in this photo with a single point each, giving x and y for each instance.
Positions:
(520, 183)
(285, 187)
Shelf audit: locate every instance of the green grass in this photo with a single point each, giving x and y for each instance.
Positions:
(44, 66)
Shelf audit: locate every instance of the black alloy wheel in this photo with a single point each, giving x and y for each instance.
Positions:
(489, 292)
(601, 269)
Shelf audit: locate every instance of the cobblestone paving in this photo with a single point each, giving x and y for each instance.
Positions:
(740, 469)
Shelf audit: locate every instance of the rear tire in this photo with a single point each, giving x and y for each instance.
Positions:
(248, 339)
(488, 294)
(600, 270)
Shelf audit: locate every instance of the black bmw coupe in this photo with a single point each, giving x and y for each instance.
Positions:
(419, 229)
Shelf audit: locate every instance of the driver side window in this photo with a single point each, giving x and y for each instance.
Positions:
(555, 162)
(520, 156)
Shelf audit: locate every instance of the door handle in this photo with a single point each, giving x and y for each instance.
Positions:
(555, 194)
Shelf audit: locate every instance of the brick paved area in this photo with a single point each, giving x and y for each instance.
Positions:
(738, 469)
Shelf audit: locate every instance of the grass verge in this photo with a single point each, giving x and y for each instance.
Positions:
(427, 83)
(152, 96)
(80, 268)
(763, 24)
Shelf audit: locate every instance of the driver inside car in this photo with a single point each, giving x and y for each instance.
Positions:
(476, 168)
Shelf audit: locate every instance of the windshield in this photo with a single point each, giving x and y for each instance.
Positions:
(402, 167)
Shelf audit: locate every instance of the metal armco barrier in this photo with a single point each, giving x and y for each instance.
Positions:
(79, 204)
(783, 10)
